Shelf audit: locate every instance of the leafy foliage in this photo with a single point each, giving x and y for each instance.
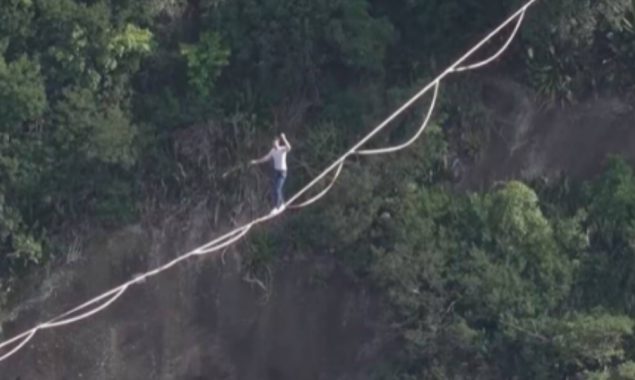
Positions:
(611, 224)
(22, 96)
(582, 53)
(205, 62)
(493, 271)
(130, 43)
(293, 48)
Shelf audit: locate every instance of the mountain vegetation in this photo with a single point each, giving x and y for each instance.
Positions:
(522, 281)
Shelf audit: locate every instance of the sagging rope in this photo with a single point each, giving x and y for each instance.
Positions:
(414, 137)
(322, 193)
(110, 296)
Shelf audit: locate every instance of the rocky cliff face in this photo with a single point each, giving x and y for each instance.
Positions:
(200, 320)
(529, 140)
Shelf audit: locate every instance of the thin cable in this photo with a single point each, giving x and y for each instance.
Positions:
(111, 293)
(68, 321)
(414, 138)
(196, 252)
(321, 193)
(56, 322)
(72, 311)
(239, 232)
(17, 337)
(225, 244)
(29, 335)
(499, 52)
(212, 245)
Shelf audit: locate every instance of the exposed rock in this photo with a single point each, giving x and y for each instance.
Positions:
(530, 141)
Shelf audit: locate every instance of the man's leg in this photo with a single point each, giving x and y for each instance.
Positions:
(274, 189)
(281, 177)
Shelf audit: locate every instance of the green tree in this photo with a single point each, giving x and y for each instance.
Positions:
(127, 46)
(584, 341)
(22, 96)
(512, 258)
(15, 21)
(609, 263)
(582, 345)
(282, 50)
(205, 61)
(470, 272)
(91, 132)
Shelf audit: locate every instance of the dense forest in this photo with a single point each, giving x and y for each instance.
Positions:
(520, 281)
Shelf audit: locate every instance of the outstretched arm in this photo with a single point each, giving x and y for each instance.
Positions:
(260, 160)
(286, 142)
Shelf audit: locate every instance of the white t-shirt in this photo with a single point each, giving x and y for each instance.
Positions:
(279, 157)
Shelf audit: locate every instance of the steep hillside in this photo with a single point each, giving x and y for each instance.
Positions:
(314, 319)
(201, 320)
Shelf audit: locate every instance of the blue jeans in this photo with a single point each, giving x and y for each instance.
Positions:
(279, 177)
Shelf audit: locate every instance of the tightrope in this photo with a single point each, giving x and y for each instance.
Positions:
(103, 301)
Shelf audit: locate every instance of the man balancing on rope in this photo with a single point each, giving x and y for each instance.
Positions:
(278, 154)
